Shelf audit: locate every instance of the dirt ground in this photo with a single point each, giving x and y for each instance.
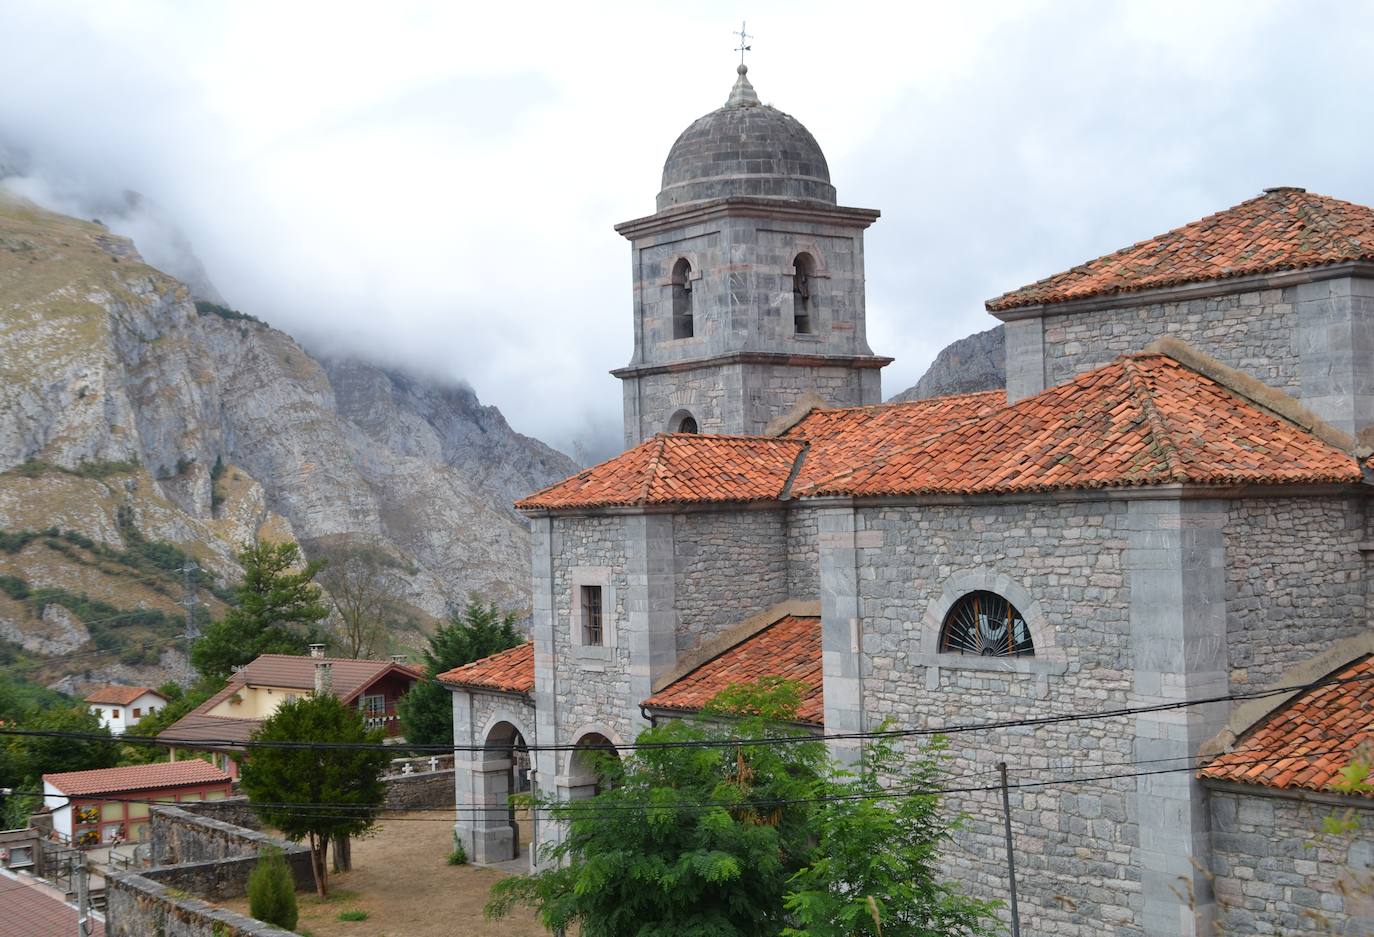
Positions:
(401, 880)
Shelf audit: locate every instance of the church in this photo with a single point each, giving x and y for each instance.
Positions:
(1097, 575)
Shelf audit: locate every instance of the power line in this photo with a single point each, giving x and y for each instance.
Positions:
(798, 736)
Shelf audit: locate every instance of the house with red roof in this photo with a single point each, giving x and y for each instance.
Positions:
(107, 805)
(1094, 572)
(224, 722)
(118, 707)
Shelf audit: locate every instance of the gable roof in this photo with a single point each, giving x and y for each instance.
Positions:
(1142, 420)
(509, 671)
(679, 467)
(788, 648)
(137, 777)
(1304, 744)
(116, 695)
(1285, 228)
(290, 671)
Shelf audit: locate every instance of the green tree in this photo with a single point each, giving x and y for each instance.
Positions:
(316, 793)
(278, 611)
(874, 870)
(25, 759)
(272, 891)
(705, 838)
(480, 630)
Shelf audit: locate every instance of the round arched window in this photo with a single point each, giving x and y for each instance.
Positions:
(986, 625)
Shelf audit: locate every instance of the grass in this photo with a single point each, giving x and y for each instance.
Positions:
(354, 915)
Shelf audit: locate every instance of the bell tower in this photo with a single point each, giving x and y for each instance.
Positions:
(748, 281)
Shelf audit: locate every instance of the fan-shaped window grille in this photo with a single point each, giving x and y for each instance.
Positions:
(986, 625)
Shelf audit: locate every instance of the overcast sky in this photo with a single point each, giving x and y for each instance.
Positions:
(435, 184)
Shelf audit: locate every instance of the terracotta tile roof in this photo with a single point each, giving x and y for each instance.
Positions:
(676, 467)
(1283, 229)
(842, 438)
(510, 671)
(790, 648)
(1305, 743)
(137, 777)
(1142, 420)
(115, 695)
(350, 678)
(31, 909)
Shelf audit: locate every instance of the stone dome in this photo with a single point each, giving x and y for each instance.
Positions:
(745, 148)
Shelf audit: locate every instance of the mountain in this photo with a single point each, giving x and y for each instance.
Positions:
(977, 362)
(140, 428)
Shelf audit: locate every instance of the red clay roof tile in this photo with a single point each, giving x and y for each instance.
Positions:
(117, 695)
(510, 671)
(1283, 229)
(790, 648)
(1142, 420)
(1306, 742)
(137, 777)
(679, 467)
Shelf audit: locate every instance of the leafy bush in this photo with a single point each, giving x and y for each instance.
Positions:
(357, 914)
(459, 855)
(14, 587)
(271, 890)
(13, 542)
(207, 308)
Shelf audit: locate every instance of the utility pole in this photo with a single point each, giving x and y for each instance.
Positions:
(83, 910)
(1011, 856)
(189, 600)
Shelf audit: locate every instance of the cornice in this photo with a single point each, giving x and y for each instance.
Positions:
(735, 207)
(755, 357)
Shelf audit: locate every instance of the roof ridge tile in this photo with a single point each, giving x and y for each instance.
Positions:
(1159, 430)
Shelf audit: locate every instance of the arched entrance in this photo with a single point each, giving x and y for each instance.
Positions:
(587, 773)
(504, 769)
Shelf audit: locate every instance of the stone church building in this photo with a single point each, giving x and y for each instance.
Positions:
(1168, 503)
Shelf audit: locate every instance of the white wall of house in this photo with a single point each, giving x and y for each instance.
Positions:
(118, 718)
(61, 809)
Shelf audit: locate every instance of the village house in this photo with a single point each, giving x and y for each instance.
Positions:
(222, 723)
(1167, 503)
(119, 707)
(107, 805)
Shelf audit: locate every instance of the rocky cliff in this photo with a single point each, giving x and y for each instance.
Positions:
(977, 362)
(128, 411)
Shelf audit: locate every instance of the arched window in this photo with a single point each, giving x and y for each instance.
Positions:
(683, 422)
(986, 625)
(803, 304)
(682, 300)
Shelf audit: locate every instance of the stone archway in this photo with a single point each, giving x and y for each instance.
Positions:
(501, 770)
(585, 776)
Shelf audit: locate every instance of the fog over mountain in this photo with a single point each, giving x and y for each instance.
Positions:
(436, 188)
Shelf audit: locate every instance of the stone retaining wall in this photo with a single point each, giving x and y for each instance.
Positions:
(421, 789)
(137, 906)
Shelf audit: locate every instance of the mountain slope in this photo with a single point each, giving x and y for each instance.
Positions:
(118, 393)
(976, 362)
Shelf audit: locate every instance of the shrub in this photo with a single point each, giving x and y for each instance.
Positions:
(14, 587)
(459, 855)
(272, 891)
(357, 914)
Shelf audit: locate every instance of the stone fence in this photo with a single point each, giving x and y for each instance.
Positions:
(195, 857)
(421, 789)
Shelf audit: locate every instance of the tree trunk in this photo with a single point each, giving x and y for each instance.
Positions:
(318, 844)
(343, 853)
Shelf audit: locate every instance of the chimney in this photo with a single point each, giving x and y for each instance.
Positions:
(317, 650)
(398, 658)
(324, 679)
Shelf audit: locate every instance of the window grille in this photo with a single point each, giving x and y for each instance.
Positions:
(592, 631)
(985, 625)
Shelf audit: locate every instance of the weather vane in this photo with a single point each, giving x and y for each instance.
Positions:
(744, 45)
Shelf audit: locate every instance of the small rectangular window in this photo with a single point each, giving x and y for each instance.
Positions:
(114, 713)
(592, 634)
(137, 712)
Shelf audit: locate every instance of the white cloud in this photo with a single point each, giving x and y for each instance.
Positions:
(437, 184)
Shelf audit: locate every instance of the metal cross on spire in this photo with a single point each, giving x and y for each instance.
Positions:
(744, 45)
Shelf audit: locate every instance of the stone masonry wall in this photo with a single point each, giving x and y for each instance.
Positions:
(1295, 582)
(1062, 564)
(729, 564)
(209, 857)
(1254, 331)
(137, 906)
(593, 686)
(1275, 873)
(803, 554)
(421, 789)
